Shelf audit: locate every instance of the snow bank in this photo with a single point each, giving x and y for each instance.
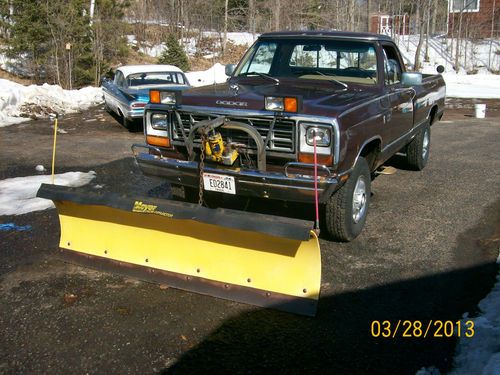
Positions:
(216, 74)
(480, 86)
(18, 103)
(18, 195)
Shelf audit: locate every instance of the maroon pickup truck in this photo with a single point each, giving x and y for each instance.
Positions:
(344, 98)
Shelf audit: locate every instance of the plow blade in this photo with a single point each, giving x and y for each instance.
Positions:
(264, 260)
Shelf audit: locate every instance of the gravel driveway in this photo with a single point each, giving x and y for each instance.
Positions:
(428, 252)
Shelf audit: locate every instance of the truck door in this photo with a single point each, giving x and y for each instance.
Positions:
(399, 117)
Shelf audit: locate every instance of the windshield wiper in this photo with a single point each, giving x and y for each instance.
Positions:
(263, 75)
(332, 79)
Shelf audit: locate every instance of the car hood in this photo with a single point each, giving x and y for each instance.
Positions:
(320, 98)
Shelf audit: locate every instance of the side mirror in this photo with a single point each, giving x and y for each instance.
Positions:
(411, 79)
(440, 69)
(230, 69)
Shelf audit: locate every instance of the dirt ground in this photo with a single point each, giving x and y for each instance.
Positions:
(428, 251)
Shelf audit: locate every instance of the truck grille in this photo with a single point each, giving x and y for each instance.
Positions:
(282, 136)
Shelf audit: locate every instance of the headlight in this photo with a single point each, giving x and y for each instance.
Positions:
(322, 135)
(159, 121)
(324, 138)
(167, 97)
(273, 103)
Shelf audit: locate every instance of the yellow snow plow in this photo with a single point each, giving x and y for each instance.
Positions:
(264, 260)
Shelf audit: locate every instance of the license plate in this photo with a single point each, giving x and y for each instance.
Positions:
(219, 182)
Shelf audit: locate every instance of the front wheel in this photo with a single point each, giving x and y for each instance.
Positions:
(417, 151)
(347, 208)
(107, 108)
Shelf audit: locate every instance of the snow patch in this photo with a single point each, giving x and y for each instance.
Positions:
(428, 371)
(19, 103)
(480, 354)
(216, 74)
(18, 195)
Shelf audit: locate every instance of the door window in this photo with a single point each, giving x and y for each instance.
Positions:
(392, 67)
(261, 60)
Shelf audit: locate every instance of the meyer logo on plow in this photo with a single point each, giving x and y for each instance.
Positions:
(149, 209)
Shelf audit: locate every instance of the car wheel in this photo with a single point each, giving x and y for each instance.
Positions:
(129, 124)
(347, 208)
(107, 108)
(417, 151)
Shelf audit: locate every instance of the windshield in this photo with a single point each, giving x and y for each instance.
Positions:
(155, 78)
(334, 60)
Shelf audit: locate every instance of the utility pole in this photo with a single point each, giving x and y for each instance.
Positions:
(226, 5)
(68, 48)
(368, 18)
(491, 33)
(91, 12)
(277, 15)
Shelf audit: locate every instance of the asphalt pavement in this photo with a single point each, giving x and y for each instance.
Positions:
(427, 252)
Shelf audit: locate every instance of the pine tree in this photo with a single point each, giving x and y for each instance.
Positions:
(29, 34)
(174, 54)
(57, 42)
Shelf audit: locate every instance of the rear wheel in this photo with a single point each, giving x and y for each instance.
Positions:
(417, 151)
(347, 208)
(129, 124)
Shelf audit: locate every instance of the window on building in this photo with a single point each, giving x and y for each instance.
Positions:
(464, 6)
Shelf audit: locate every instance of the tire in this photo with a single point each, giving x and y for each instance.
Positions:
(417, 151)
(107, 108)
(130, 125)
(189, 194)
(347, 208)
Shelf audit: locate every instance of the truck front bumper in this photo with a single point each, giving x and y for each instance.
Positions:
(250, 183)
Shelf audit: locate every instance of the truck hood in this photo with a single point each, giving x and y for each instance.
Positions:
(320, 98)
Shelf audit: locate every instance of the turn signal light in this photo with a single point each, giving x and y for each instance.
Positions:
(158, 141)
(291, 105)
(154, 96)
(321, 159)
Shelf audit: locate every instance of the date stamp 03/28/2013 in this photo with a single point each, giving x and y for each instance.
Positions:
(421, 329)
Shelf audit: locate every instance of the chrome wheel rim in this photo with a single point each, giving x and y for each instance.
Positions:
(425, 145)
(359, 200)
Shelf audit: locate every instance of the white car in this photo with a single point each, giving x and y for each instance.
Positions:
(128, 93)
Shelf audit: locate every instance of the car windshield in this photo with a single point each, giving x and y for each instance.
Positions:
(155, 78)
(329, 60)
